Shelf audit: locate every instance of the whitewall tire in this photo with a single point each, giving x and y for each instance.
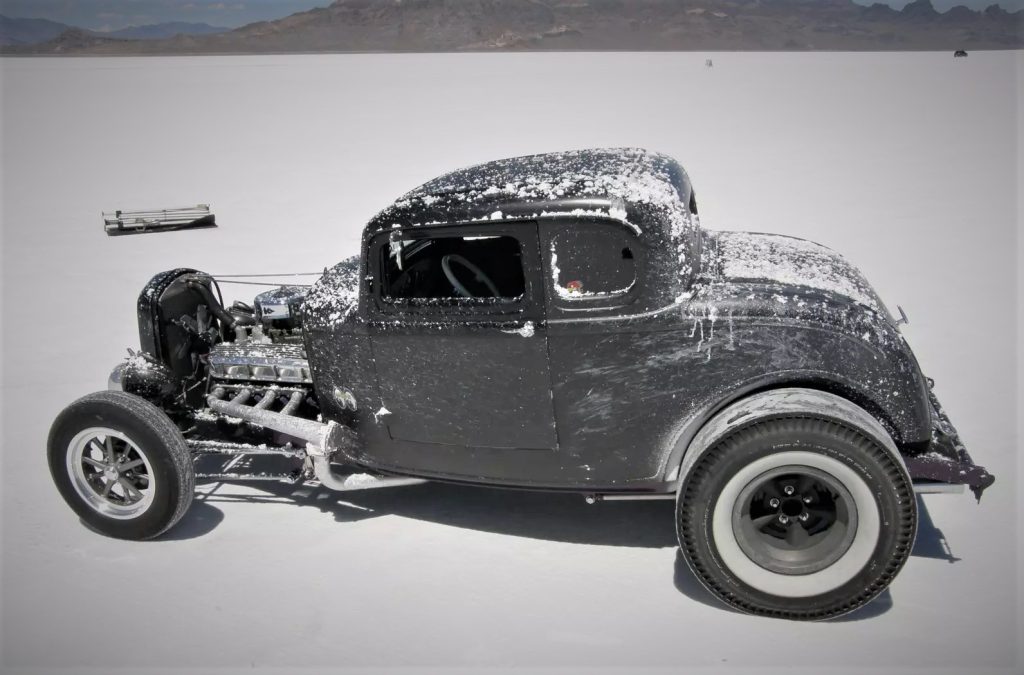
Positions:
(796, 517)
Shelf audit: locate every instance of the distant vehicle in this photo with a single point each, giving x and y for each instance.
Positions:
(554, 322)
(958, 53)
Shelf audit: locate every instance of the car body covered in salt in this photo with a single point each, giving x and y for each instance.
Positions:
(709, 318)
(561, 322)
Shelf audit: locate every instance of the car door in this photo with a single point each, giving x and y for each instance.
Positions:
(460, 367)
(607, 390)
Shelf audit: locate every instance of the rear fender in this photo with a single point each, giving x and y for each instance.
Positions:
(781, 403)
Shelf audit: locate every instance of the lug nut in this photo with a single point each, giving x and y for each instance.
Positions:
(803, 517)
(789, 489)
(784, 519)
(773, 502)
(808, 499)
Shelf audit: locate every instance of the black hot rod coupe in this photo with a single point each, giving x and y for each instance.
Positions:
(550, 322)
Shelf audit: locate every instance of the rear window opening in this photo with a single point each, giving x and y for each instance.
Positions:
(592, 263)
(455, 267)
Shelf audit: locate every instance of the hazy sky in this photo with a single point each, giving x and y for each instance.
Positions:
(114, 14)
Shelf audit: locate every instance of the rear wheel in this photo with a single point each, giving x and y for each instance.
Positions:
(799, 517)
(121, 464)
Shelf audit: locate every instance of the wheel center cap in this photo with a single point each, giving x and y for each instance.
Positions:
(110, 474)
(792, 507)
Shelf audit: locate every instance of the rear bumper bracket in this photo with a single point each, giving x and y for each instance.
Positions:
(947, 460)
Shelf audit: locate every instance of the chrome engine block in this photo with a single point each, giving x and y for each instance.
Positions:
(259, 363)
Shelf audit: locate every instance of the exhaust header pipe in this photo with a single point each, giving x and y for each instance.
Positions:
(322, 440)
(312, 432)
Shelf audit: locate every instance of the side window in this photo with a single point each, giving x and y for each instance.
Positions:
(470, 268)
(592, 262)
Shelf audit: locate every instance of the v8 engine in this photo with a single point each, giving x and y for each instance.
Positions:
(193, 346)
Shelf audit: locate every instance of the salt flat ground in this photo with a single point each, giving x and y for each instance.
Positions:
(907, 163)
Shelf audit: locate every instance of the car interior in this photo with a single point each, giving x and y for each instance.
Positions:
(453, 267)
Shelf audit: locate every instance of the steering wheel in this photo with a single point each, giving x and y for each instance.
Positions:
(478, 274)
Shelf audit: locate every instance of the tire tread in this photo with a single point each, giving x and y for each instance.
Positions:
(158, 423)
(763, 428)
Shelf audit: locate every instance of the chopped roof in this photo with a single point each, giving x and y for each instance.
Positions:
(629, 184)
(630, 174)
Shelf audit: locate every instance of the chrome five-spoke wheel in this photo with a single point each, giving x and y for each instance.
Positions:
(110, 472)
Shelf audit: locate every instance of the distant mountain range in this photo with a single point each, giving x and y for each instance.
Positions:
(155, 31)
(28, 32)
(579, 25)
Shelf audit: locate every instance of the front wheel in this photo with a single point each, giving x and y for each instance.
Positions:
(121, 464)
(799, 518)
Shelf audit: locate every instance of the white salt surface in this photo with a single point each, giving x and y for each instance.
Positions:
(906, 164)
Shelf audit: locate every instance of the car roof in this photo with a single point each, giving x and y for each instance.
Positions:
(646, 190)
